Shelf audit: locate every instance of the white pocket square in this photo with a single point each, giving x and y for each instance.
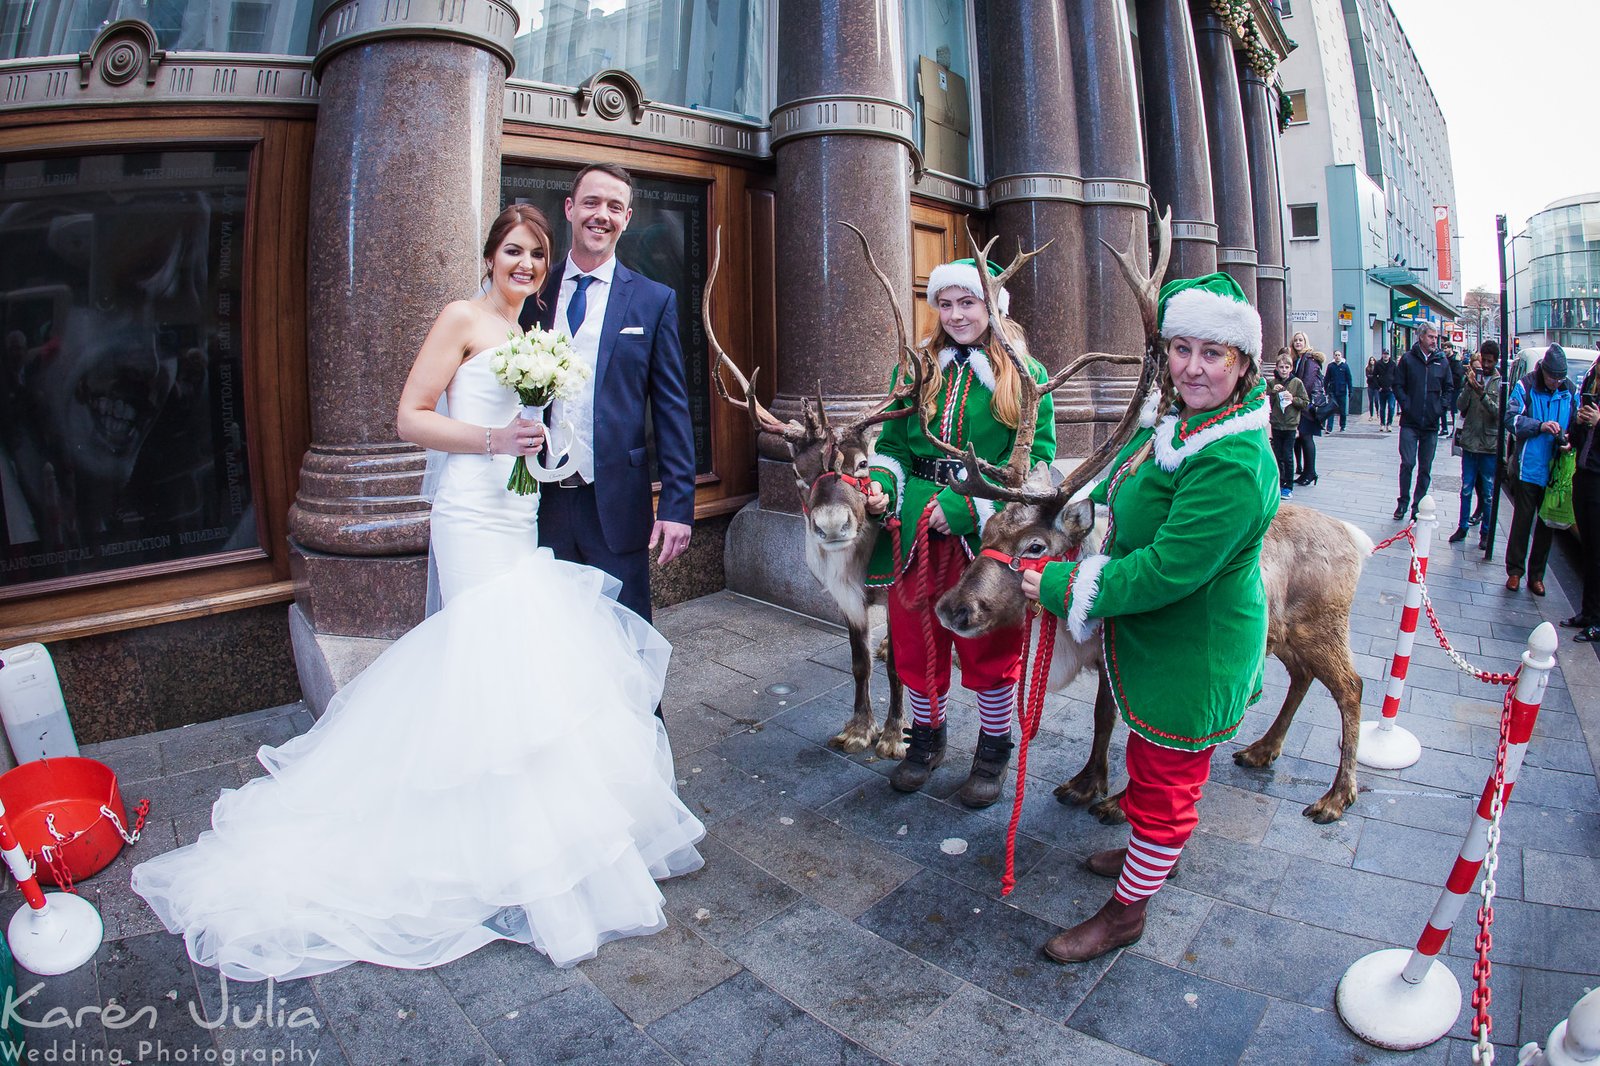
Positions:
(632, 329)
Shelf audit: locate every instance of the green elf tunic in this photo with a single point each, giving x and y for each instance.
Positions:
(1179, 585)
(965, 415)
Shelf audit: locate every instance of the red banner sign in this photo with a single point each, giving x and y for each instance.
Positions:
(1441, 233)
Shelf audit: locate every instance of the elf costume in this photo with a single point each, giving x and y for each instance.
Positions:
(912, 471)
(1185, 613)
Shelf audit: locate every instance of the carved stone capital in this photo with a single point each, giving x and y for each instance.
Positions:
(1116, 191)
(488, 24)
(866, 116)
(1194, 230)
(1236, 256)
(1064, 187)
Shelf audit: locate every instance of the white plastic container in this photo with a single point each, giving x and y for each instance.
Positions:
(32, 707)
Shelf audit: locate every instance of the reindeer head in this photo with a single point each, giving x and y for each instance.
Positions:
(829, 462)
(1041, 519)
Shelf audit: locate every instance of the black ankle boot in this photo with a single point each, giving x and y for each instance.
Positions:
(924, 755)
(988, 763)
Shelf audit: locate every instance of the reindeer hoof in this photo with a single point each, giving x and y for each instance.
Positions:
(892, 746)
(1329, 808)
(1108, 811)
(1255, 756)
(1079, 792)
(851, 740)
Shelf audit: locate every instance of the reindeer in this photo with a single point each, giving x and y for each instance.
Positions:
(1310, 564)
(830, 471)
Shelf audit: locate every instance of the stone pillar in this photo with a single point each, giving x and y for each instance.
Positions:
(842, 141)
(405, 180)
(1036, 189)
(1116, 202)
(1230, 162)
(1175, 135)
(1260, 105)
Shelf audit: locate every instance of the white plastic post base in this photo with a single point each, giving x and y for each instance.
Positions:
(1394, 748)
(59, 938)
(1377, 1005)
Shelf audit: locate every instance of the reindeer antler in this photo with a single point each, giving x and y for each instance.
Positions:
(793, 434)
(910, 382)
(981, 478)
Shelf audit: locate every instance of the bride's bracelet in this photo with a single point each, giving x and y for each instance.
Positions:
(488, 441)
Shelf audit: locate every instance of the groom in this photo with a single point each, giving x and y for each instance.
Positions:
(625, 327)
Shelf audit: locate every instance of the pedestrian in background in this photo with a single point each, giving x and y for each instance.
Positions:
(1458, 371)
(1586, 504)
(1286, 398)
(1386, 375)
(1539, 411)
(1338, 382)
(1478, 435)
(1372, 388)
(1308, 368)
(1420, 382)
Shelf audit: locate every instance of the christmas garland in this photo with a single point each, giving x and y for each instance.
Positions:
(1285, 108)
(1235, 14)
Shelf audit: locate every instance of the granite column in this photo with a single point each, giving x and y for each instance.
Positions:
(1175, 134)
(1115, 202)
(405, 180)
(842, 142)
(1230, 163)
(1260, 104)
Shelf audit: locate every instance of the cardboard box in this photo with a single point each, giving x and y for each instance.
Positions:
(946, 119)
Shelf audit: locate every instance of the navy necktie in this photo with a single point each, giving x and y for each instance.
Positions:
(579, 305)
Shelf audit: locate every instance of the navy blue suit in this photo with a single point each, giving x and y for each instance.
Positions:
(608, 524)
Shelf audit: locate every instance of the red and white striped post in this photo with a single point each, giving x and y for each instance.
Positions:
(1385, 744)
(1403, 1000)
(54, 933)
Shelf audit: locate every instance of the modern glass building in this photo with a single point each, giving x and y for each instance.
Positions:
(1555, 266)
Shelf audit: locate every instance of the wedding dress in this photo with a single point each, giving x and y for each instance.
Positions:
(498, 773)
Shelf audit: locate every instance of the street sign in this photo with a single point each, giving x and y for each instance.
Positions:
(1405, 310)
(1302, 316)
(1458, 335)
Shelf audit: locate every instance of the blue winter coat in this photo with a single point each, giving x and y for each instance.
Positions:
(1528, 408)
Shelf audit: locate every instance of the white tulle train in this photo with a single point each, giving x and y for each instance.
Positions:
(498, 773)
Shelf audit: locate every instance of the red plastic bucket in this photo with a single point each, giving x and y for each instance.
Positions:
(71, 797)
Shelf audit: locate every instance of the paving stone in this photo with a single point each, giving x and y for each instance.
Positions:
(1236, 813)
(1224, 869)
(1277, 957)
(727, 897)
(1547, 998)
(715, 789)
(1550, 829)
(694, 726)
(502, 976)
(134, 759)
(811, 775)
(1564, 880)
(150, 978)
(390, 1017)
(574, 1025)
(1427, 857)
(991, 944)
(777, 652)
(197, 790)
(819, 858)
(1371, 905)
(651, 976)
(1044, 818)
(259, 1018)
(940, 836)
(124, 913)
(1459, 1052)
(1312, 1036)
(1448, 770)
(691, 683)
(1552, 788)
(788, 684)
(871, 990)
(1532, 935)
(195, 747)
(1294, 834)
(1169, 1015)
(974, 1026)
(38, 999)
(742, 1022)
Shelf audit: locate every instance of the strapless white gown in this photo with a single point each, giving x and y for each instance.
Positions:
(498, 773)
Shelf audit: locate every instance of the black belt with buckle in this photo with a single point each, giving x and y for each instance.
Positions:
(572, 481)
(938, 471)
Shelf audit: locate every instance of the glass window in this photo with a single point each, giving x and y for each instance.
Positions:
(709, 54)
(1302, 220)
(666, 242)
(1297, 107)
(940, 70)
(122, 424)
(65, 27)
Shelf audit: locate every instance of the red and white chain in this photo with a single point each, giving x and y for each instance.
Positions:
(1482, 1050)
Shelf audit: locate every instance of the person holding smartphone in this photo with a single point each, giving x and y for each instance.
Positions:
(1479, 405)
(1586, 504)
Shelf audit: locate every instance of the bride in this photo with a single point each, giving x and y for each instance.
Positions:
(498, 773)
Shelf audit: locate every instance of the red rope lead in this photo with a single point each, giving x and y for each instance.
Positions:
(1030, 710)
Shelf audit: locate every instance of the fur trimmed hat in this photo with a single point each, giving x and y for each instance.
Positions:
(963, 274)
(1213, 308)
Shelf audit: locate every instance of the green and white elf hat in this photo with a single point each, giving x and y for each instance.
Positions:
(1211, 308)
(963, 274)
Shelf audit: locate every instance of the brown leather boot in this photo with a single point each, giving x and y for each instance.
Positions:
(924, 755)
(1109, 863)
(983, 784)
(1113, 926)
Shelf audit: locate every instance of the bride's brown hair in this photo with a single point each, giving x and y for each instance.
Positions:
(508, 220)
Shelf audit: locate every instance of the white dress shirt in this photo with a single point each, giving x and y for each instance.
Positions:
(578, 410)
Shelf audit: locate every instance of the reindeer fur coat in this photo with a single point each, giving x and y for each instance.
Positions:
(1179, 581)
(965, 415)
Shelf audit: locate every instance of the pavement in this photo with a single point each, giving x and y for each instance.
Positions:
(837, 921)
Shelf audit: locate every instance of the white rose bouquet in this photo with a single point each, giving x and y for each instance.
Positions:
(539, 365)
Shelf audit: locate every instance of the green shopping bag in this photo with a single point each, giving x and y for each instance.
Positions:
(1556, 511)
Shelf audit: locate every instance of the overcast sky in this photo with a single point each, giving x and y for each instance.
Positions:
(1514, 78)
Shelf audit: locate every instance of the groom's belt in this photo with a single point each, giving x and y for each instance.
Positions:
(938, 471)
(572, 481)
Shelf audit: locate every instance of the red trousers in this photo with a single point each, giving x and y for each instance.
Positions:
(1163, 790)
(987, 662)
